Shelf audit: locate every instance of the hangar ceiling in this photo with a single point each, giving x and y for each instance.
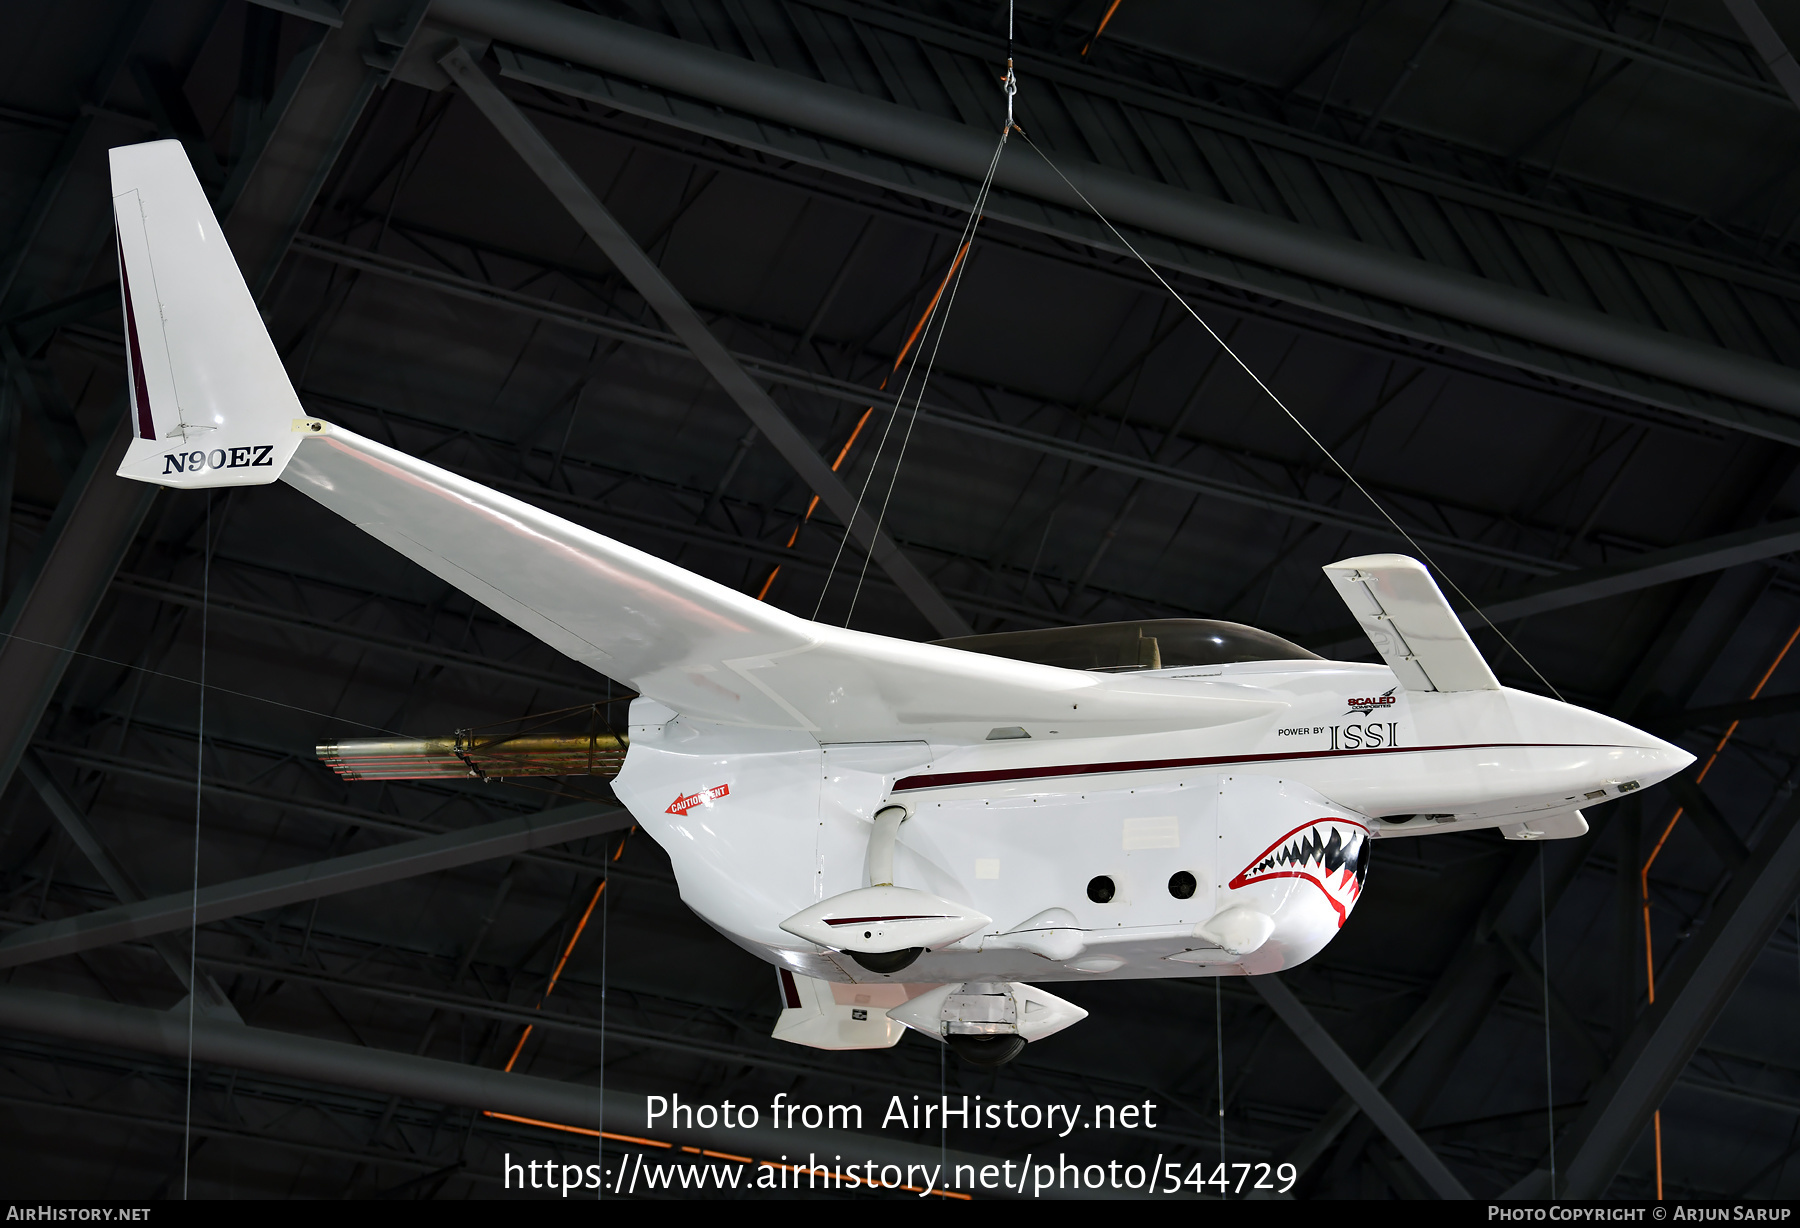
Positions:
(1529, 268)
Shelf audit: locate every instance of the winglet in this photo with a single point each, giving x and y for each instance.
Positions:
(1418, 635)
(211, 404)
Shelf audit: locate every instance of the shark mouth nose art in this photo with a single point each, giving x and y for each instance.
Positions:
(1331, 854)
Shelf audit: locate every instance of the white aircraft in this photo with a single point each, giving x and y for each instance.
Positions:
(914, 833)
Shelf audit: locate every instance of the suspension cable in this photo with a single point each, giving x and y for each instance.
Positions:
(943, 326)
(939, 314)
(193, 988)
(856, 431)
(1292, 417)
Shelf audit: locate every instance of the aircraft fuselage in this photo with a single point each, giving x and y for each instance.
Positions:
(1274, 814)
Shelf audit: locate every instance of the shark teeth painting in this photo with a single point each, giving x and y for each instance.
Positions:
(1331, 854)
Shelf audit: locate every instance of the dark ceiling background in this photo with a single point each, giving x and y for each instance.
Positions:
(1085, 454)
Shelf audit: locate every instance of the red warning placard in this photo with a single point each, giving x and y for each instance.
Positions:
(687, 801)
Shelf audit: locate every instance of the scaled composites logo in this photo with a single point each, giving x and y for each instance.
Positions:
(687, 801)
(1373, 703)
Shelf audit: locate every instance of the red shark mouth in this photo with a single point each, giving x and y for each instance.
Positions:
(1331, 854)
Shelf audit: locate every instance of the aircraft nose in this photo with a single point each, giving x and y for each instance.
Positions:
(1664, 759)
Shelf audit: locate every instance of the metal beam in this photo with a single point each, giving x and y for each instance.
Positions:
(124, 33)
(1232, 492)
(55, 420)
(30, 329)
(1711, 824)
(1644, 571)
(329, 812)
(849, 392)
(920, 211)
(791, 1060)
(100, 513)
(1461, 1001)
(1350, 1077)
(1317, 1140)
(305, 128)
(320, 11)
(1693, 993)
(662, 296)
(9, 470)
(1768, 44)
(1725, 714)
(315, 880)
(212, 999)
(169, 593)
(1647, 570)
(1566, 1018)
(48, 613)
(203, 1126)
(172, 113)
(1406, 72)
(668, 1023)
(65, 1018)
(1588, 34)
(787, 101)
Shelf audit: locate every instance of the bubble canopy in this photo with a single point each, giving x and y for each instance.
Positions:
(1157, 643)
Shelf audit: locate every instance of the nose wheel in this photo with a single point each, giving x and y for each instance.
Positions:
(886, 962)
(986, 1050)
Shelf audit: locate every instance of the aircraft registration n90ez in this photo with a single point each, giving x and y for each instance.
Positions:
(914, 834)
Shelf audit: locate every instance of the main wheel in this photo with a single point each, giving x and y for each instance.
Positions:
(886, 962)
(986, 1050)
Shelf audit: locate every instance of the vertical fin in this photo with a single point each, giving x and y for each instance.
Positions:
(211, 404)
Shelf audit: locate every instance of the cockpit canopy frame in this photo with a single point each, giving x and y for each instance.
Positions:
(1142, 644)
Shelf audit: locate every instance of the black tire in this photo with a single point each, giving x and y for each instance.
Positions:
(986, 1050)
(886, 962)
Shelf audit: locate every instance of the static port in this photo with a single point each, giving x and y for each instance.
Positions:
(1181, 885)
(1100, 889)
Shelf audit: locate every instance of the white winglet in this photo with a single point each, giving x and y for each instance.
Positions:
(1411, 625)
(211, 404)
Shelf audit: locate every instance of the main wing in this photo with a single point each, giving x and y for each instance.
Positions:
(626, 614)
(215, 408)
(702, 648)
